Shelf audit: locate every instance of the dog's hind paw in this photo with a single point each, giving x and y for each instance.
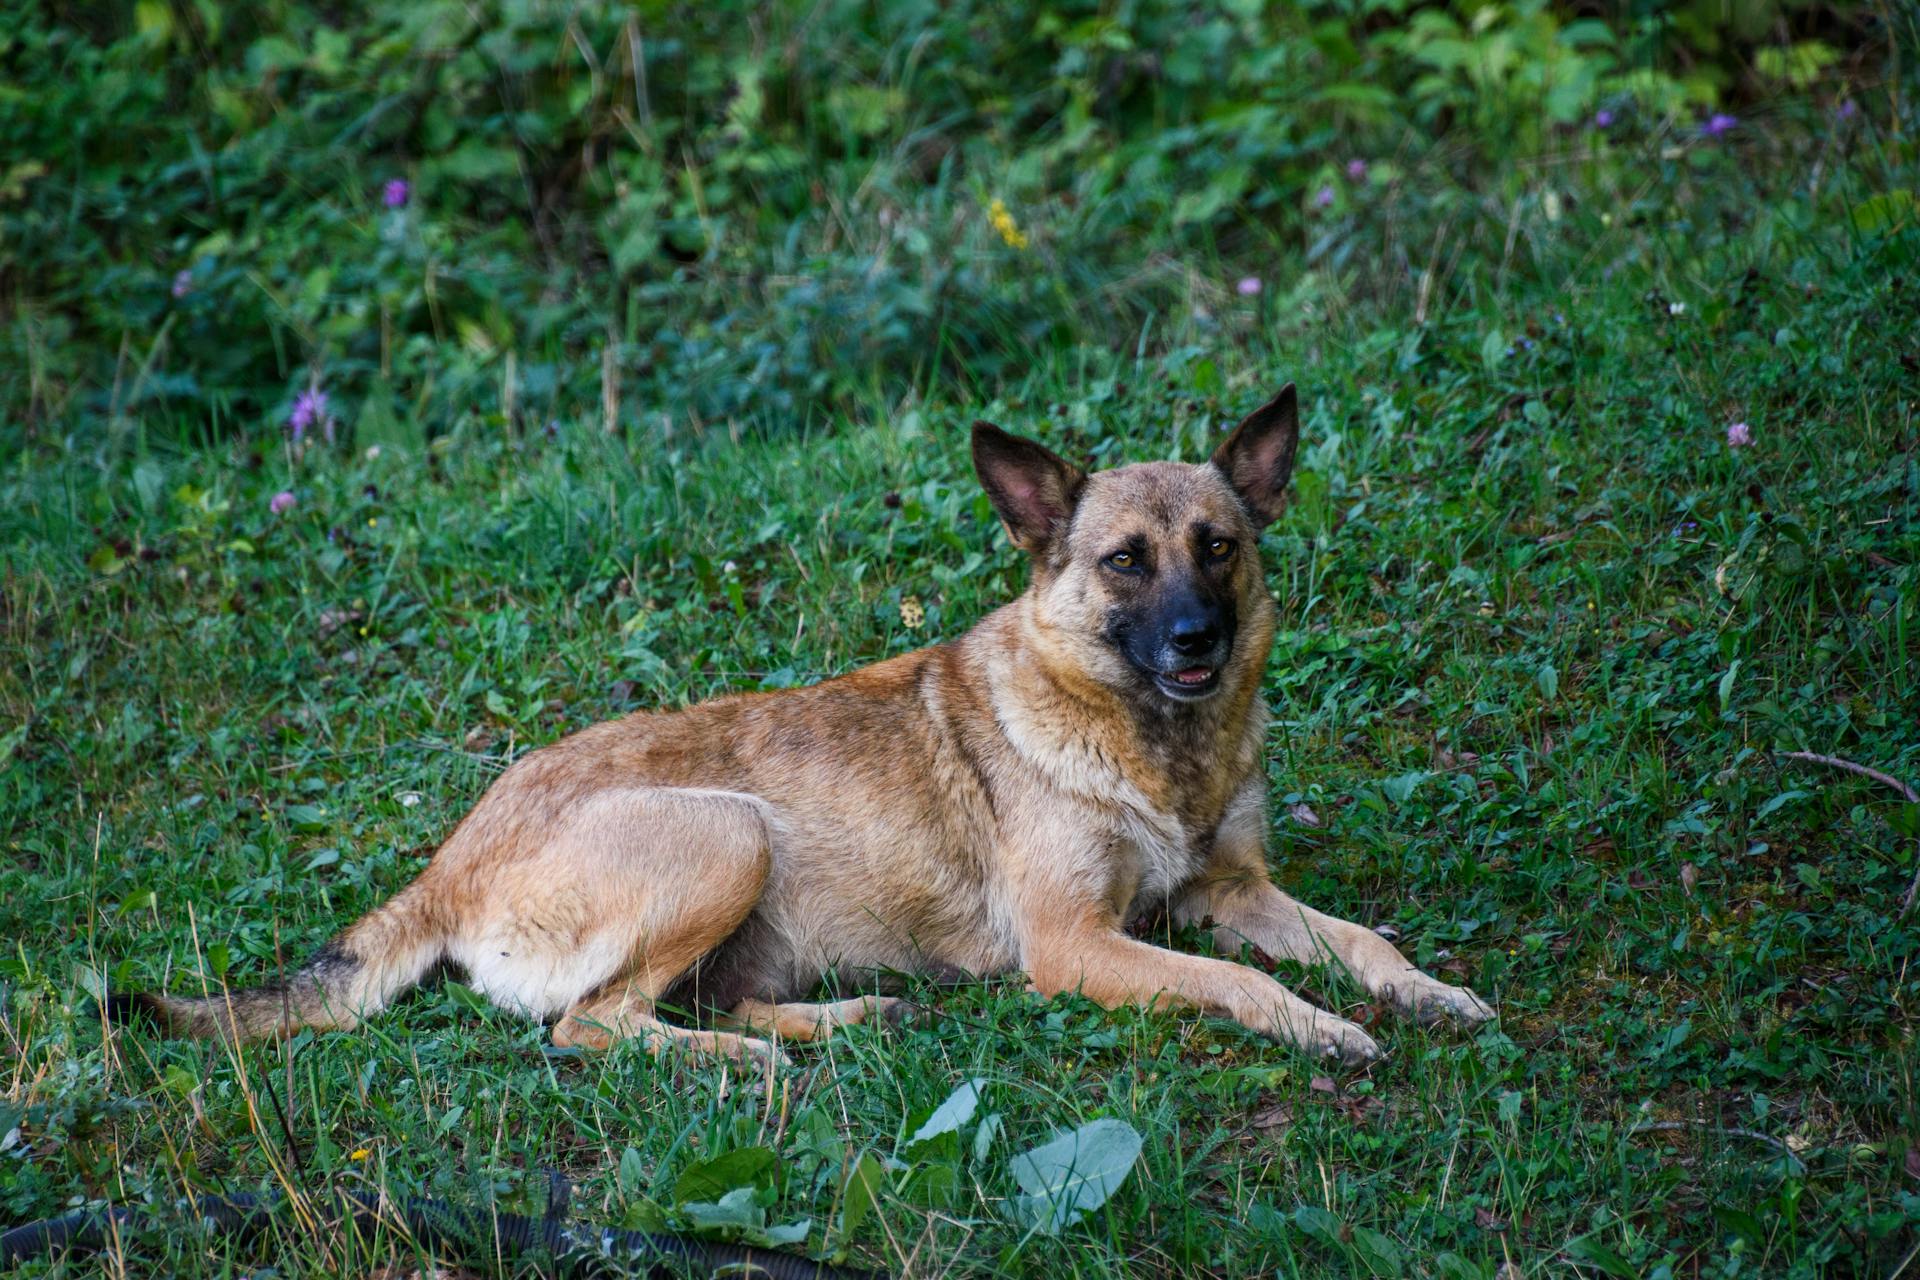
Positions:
(896, 1011)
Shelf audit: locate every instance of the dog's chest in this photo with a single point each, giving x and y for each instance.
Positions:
(1158, 854)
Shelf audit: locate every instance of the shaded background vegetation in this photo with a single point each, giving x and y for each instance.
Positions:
(741, 213)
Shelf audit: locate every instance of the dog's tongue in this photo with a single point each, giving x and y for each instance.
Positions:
(1193, 675)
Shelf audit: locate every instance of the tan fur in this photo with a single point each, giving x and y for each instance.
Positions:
(999, 803)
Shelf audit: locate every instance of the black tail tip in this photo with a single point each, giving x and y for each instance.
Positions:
(130, 1009)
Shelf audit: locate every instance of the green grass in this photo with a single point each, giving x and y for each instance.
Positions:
(1542, 630)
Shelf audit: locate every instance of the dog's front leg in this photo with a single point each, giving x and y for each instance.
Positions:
(1083, 950)
(1248, 908)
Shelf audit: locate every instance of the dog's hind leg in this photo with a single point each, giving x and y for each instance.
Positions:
(626, 896)
(596, 1022)
(807, 1022)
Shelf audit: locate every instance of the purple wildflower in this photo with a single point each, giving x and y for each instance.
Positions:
(1324, 197)
(553, 428)
(1847, 110)
(1718, 123)
(309, 407)
(395, 193)
(1248, 286)
(1685, 527)
(1357, 170)
(1739, 436)
(182, 282)
(281, 503)
(1603, 119)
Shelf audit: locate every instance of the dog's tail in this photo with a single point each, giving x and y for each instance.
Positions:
(376, 959)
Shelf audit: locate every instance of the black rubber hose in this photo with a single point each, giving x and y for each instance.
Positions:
(577, 1250)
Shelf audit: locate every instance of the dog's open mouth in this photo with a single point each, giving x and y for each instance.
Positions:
(1189, 683)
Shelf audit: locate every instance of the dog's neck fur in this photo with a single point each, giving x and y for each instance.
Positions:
(1062, 720)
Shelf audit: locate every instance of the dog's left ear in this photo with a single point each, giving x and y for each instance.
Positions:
(1033, 489)
(1257, 458)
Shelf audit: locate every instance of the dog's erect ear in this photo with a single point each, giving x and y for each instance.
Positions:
(1032, 488)
(1257, 458)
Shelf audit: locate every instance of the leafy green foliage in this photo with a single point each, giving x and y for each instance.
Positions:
(745, 214)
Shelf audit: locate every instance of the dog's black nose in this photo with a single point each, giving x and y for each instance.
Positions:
(1193, 636)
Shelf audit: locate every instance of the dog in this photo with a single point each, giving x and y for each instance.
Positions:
(1005, 802)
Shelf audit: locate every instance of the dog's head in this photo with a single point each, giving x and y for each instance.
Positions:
(1148, 578)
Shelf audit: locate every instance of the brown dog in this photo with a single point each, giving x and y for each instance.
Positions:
(1002, 802)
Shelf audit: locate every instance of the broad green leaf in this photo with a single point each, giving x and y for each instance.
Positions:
(306, 818)
(1587, 1249)
(736, 1209)
(749, 1167)
(1771, 806)
(1726, 685)
(1885, 213)
(983, 1137)
(1073, 1174)
(949, 1116)
(1380, 1255)
(1400, 790)
(1451, 1266)
(1318, 1223)
(862, 1189)
(1493, 348)
(633, 1171)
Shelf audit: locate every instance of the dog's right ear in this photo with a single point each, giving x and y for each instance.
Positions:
(1032, 489)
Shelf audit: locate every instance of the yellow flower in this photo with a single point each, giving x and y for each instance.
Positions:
(361, 1154)
(1003, 223)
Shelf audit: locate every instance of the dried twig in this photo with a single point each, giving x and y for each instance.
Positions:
(1668, 1126)
(1912, 796)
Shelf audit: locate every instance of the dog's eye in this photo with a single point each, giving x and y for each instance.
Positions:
(1122, 560)
(1219, 549)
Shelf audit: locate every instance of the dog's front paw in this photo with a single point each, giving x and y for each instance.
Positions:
(1430, 1000)
(1342, 1042)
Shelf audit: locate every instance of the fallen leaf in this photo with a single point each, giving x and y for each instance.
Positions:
(1273, 1118)
(1913, 1162)
(621, 691)
(1368, 1014)
(1304, 815)
(1487, 1221)
(1689, 876)
(1322, 1084)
